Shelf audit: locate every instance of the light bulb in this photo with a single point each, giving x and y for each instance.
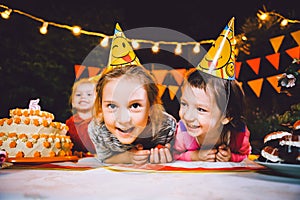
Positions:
(104, 42)
(196, 49)
(178, 49)
(6, 14)
(43, 29)
(135, 44)
(76, 30)
(155, 48)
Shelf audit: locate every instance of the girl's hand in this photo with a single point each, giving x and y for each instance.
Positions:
(139, 156)
(161, 154)
(207, 155)
(224, 153)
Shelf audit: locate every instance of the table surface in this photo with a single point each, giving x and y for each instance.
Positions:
(98, 182)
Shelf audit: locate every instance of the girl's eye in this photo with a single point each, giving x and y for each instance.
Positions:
(111, 106)
(77, 95)
(135, 106)
(201, 110)
(89, 94)
(183, 103)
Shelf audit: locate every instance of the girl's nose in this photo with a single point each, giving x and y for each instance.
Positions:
(189, 114)
(123, 115)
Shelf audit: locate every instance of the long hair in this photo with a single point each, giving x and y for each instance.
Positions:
(148, 81)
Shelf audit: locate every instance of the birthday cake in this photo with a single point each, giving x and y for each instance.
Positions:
(33, 133)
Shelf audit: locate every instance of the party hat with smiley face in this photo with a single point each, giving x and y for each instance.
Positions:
(121, 52)
(219, 61)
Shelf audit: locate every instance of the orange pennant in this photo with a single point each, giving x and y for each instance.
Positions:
(178, 75)
(276, 42)
(161, 90)
(93, 71)
(172, 91)
(160, 75)
(274, 60)
(256, 86)
(296, 36)
(273, 80)
(254, 64)
(237, 69)
(294, 52)
(78, 70)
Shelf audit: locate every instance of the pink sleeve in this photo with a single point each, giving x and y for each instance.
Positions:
(180, 150)
(240, 146)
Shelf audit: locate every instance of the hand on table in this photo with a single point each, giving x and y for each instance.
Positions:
(224, 154)
(161, 154)
(208, 155)
(139, 156)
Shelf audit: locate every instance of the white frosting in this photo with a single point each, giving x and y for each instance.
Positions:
(290, 142)
(271, 157)
(275, 135)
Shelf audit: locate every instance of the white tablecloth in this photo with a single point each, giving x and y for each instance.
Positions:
(101, 183)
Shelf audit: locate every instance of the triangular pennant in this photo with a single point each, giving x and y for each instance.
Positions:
(178, 75)
(93, 71)
(273, 80)
(78, 70)
(276, 42)
(172, 91)
(220, 58)
(237, 69)
(256, 86)
(254, 64)
(160, 75)
(161, 89)
(296, 36)
(121, 52)
(274, 60)
(294, 52)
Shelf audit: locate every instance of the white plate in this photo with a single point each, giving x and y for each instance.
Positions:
(288, 169)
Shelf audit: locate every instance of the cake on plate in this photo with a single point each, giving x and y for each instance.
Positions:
(33, 133)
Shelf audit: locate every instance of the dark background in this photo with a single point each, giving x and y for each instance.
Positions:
(42, 66)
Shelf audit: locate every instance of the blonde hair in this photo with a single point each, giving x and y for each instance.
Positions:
(133, 72)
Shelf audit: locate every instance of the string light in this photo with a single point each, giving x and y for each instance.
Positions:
(76, 30)
(44, 28)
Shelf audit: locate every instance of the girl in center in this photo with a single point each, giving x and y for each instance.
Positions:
(130, 124)
(212, 126)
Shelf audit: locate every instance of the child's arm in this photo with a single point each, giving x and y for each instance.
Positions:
(133, 156)
(240, 146)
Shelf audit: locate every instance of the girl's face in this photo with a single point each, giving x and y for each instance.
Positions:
(84, 97)
(199, 111)
(125, 108)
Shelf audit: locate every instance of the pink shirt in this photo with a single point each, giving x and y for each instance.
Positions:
(185, 143)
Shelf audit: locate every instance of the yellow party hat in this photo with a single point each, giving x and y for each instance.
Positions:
(220, 58)
(121, 52)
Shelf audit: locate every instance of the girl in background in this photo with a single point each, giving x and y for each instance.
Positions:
(82, 100)
(212, 126)
(130, 124)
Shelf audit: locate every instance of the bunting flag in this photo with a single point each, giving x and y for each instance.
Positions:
(121, 52)
(273, 80)
(274, 60)
(296, 36)
(161, 89)
(220, 58)
(254, 64)
(276, 42)
(93, 71)
(78, 70)
(237, 69)
(178, 75)
(256, 86)
(172, 91)
(294, 52)
(160, 75)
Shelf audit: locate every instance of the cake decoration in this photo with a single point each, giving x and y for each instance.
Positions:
(34, 104)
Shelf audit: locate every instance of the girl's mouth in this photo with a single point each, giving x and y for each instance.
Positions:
(125, 130)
